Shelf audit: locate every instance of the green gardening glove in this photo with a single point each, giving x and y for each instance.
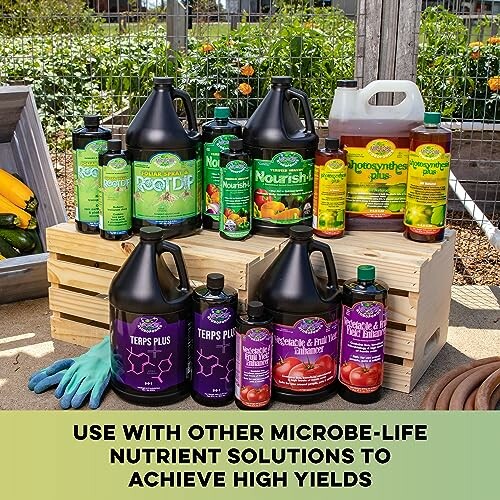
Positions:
(76, 378)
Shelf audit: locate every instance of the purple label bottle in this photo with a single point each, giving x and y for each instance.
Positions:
(364, 323)
(254, 348)
(215, 309)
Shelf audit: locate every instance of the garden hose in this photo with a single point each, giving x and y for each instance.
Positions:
(473, 386)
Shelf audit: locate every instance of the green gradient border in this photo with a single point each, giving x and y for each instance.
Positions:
(41, 460)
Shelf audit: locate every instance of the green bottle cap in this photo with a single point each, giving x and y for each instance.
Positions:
(221, 112)
(431, 118)
(366, 273)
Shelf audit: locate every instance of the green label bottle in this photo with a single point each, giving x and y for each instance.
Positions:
(236, 193)
(216, 135)
(88, 143)
(115, 190)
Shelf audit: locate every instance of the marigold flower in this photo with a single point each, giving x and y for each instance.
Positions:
(244, 88)
(476, 44)
(207, 47)
(247, 70)
(493, 40)
(475, 54)
(217, 95)
(494, 83)
(309, 25)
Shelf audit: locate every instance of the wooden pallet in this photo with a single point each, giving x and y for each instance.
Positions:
(80, 269)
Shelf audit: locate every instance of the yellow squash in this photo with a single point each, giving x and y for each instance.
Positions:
(27, 221)
(17, 192)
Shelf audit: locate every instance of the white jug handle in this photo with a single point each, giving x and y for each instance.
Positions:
(407, 87)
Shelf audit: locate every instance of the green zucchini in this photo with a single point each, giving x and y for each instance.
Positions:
(38, 242)
(18, 239)
(7, 250)
(9, 221)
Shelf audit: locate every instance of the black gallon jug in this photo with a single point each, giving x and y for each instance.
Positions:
(282, 150)
(306, 311)
(166, 163)
(151, 324)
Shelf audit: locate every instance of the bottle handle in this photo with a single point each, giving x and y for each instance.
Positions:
(302, 97)
(325, 250)
(175, 251)
(188, 106)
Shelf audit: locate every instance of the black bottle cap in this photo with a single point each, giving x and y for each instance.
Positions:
(114, 145)
(255, 309)
(301, 233)
(151, 233)
(163, 80)
(236, 144)
(332, 143)
(281, 80)
(91, 120)
(350, 84)
(215, 281)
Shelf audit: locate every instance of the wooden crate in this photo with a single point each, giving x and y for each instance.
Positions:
(80, 268)
(23, 150)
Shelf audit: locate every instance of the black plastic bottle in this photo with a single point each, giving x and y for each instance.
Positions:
(254, 358)
(306, 314)
(151, 324)
(88, 142)
(166, 163)
(236, 192)
(216, 135)
(364, 322)
(115, 192)
(282, 151)
(215, 309)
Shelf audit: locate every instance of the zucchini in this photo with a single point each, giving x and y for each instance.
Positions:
(38, 242)
(7, 250)
(10, 221)
(17, 192)
(19, 239)
(28, 221)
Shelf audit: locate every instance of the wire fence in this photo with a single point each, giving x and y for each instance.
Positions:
(100, 57)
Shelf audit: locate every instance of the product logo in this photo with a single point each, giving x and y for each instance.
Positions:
(381, 148)
(117, 164)
(97, 146)
(219, 315)
(335, 164)
(237, 166)
(368, 309)
(288, 159)
(222, 142)
(430, 151)
(257, 334)
(84, 172)
(165, 160)
(149, 325)
(310, 325)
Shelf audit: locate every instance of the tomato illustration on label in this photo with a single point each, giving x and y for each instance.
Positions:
(281, 370)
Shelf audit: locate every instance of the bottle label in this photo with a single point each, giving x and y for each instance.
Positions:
(362, 346)
(283, 188)
(236, 183)
(149, 354)
(427, 192)
(86, 181)
(253, 367)
(211, 163)
(115, 208)
(330, 197)
(305, 355)
(376, 179)
(166, 188)
(214, 352)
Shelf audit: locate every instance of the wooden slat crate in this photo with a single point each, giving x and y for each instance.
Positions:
(80, 269)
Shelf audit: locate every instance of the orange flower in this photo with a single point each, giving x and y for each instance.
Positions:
(309, 25)
(494, 83)
(217, 95)
(475, 54)
(247, 70)
(493, 40)
(244, 88)
(207, 47)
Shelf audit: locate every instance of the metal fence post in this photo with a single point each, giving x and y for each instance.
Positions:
(387, 41)
(177, 25)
